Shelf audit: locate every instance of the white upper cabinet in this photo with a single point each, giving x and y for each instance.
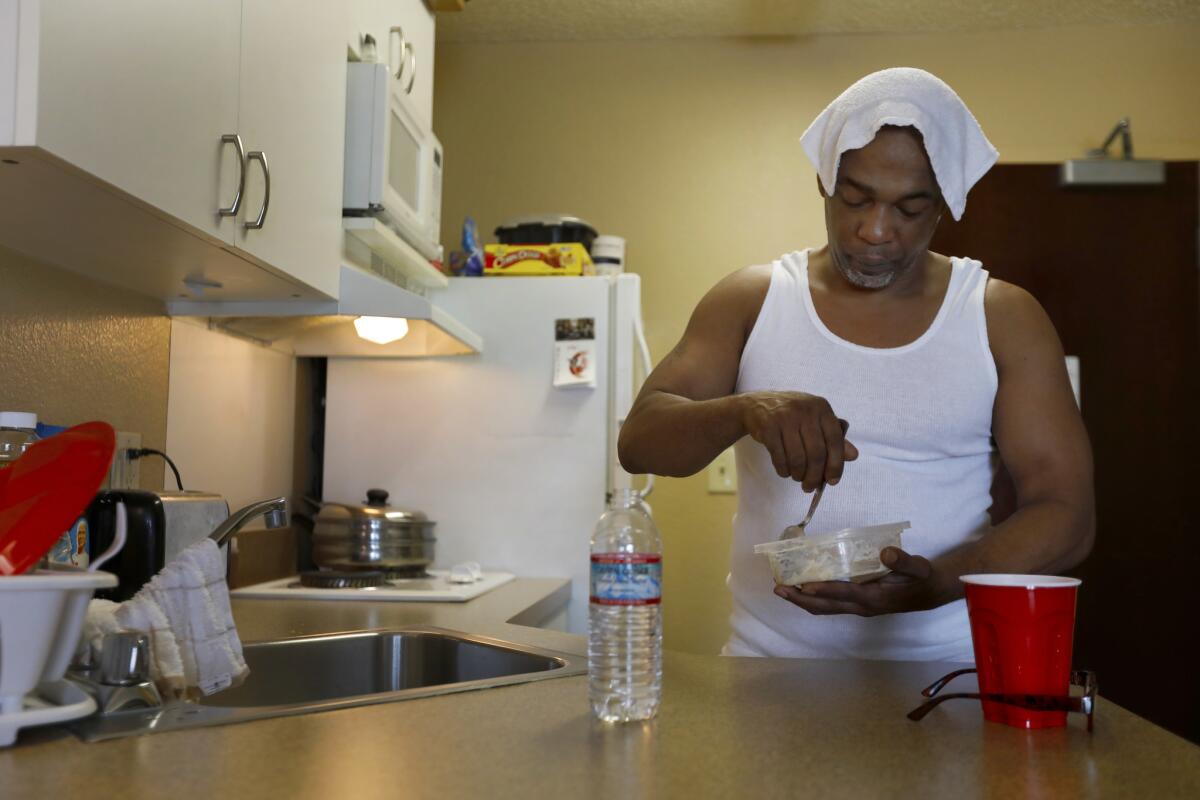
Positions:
(138, 94)
(403, 31)
(417, 23)
(292, 112)
(136, 122)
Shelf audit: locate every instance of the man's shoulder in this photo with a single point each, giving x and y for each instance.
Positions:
(1009, 304)
(756, 277)
(1017, 324)
(735, 301)
(744, 288)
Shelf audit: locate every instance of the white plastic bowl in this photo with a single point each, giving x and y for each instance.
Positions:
(41, 614)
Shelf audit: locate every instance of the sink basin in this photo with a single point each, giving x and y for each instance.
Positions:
(327, 671)
(316, 669)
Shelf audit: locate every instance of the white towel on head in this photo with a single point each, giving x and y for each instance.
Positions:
(185, 610)
(903, 96)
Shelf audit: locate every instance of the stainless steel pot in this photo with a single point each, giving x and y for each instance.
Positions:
(373, 535)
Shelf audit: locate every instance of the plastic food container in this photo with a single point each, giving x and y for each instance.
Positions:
(846, 555)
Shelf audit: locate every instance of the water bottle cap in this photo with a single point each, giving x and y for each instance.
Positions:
(18, 419)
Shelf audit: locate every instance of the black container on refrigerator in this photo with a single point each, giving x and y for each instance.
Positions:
(546, 229)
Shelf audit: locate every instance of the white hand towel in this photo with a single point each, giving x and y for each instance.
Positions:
(185, 611)
(903, 96)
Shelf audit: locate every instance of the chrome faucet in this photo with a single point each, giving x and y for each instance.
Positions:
(274, 513)
(118, 677)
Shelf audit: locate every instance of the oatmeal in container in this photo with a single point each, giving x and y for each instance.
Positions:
(851, 554)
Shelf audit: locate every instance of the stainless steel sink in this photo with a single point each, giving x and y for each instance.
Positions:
(327, 671)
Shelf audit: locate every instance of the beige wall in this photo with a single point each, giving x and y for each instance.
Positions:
(231, 414)
(231, 429)
(74, 350)
(689, 150)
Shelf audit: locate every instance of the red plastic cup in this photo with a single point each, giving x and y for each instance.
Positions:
(1022, 629)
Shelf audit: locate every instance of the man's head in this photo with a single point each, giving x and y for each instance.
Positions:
(954, 145)
(884, 209)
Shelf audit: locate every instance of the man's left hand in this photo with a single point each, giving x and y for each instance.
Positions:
(910, 586)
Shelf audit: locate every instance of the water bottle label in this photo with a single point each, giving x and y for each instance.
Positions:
(622, 579)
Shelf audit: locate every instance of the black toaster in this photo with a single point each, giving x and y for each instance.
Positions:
(145, 543)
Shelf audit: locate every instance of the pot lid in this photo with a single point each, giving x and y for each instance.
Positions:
(375, 508)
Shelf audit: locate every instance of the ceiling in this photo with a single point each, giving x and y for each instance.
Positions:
(601, 20)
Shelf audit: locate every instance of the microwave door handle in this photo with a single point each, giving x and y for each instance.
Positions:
(261, 157)
(396, 30)
(411, 56)
(235, 140)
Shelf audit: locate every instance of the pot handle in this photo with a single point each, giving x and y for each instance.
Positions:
(377, 497)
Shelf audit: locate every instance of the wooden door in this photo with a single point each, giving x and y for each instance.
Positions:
(1116, 269)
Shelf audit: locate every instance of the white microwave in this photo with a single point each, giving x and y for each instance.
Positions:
(393, 160)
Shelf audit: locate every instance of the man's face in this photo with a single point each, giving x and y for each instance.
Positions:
(884, 209)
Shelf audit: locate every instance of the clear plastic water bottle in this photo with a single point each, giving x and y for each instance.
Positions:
(18, 431)
(625, 618)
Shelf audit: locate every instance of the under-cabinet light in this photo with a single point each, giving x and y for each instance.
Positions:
(381, 330)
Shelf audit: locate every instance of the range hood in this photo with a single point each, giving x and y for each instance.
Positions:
(326, 328)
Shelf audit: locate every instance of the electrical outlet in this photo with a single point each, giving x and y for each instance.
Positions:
(722, 474)
(125, 473)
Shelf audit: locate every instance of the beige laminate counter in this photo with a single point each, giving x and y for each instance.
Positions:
(728, 727)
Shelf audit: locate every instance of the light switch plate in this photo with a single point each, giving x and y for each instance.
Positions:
(722, 474)
(125, 473)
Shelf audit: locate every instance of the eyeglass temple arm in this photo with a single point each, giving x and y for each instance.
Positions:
(940, 683)
(1084, 704)
(1030, 701)
(918, 713)
(1079, 677)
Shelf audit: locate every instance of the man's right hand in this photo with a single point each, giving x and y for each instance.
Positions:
(806, 440)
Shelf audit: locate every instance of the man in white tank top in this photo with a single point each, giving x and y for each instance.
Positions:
(895, 376)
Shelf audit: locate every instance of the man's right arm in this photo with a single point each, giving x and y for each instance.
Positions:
(687, 413)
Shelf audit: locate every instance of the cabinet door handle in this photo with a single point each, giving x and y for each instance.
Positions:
(235, 140)
(395, 31)
(411, 56)
(261, 157)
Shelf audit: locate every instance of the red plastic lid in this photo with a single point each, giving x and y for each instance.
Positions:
(44, 491)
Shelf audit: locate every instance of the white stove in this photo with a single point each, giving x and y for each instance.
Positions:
(436, 587)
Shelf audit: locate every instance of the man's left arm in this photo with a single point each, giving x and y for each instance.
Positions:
(1043, 443)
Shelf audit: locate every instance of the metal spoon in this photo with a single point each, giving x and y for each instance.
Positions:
(792, 531)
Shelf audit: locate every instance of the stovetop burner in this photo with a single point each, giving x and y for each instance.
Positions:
(342, 579)
(358, 578)
(402, 573)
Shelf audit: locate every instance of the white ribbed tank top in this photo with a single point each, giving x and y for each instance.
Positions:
(921, 417)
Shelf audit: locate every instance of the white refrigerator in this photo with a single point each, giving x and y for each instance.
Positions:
(513, 469)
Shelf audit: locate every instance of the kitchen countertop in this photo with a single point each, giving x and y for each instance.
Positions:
(727, 727)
